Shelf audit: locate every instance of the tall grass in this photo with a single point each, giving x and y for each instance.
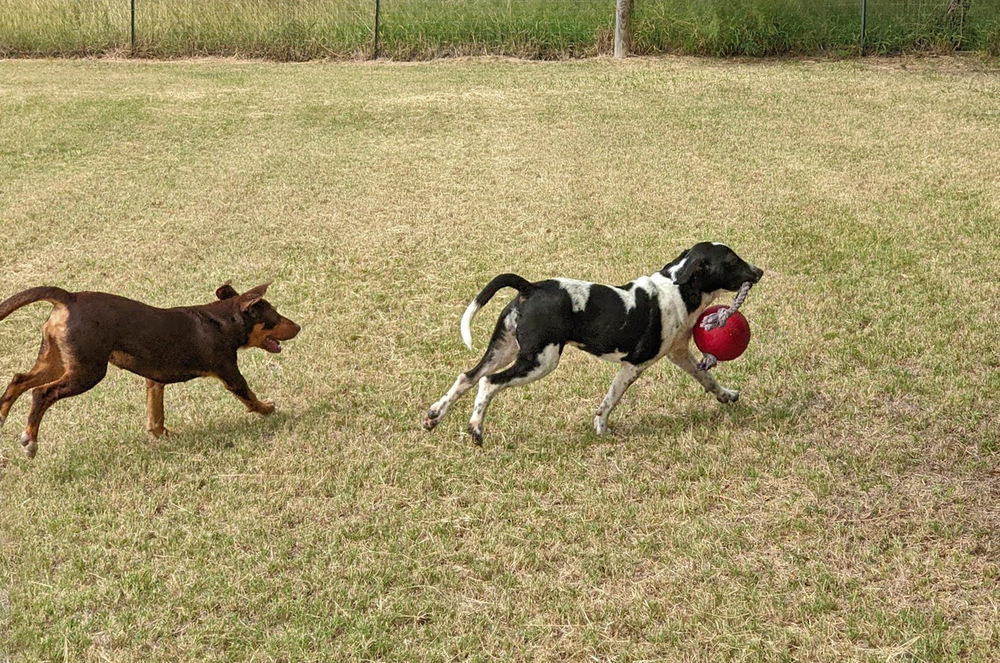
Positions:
(745, 27)
(774, 27)
(416, 29)
(527, 28)
(63, 27)
(287, 30)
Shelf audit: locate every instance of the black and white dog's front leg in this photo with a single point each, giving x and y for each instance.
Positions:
(627, 374)
(681, 355)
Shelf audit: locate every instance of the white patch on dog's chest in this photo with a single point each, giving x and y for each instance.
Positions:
(673, 312)
(578, 291)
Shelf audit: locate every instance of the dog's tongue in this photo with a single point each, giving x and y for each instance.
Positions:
(272, 345)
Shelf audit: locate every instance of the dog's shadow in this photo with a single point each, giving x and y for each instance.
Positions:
(243, 429)
(220, 434)
(238, 434)
(705, 421)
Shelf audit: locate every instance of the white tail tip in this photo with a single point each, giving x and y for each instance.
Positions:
(466, 326)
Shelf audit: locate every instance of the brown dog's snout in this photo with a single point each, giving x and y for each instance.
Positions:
(757, 273)
(286, 330)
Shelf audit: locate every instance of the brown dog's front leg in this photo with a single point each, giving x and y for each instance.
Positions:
(237, 384)
(154, 409)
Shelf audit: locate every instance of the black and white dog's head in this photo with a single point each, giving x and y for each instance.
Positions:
(707, 268)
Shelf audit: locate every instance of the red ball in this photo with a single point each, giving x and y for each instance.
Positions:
(727, 342)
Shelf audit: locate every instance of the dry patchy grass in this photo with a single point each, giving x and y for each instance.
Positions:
(846, 509)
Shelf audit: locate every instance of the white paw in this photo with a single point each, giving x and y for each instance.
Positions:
(600, 425)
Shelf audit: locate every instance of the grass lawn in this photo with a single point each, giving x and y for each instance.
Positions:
(845, 509)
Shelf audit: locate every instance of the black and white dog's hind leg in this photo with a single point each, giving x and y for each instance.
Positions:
(532, 364)
(501, 352)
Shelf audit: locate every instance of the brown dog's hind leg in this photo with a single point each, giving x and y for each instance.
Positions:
(154, 409)
(47, 368)
(76, 381)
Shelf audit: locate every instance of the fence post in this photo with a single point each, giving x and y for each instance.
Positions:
(375, 39)
(131, 34)
(864, 25)
(623, 15)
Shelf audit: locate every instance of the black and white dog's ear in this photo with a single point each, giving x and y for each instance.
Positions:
(226, 291)
(689, 267)
(683, 267)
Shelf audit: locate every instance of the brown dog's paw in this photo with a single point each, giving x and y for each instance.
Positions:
(265, 407)
(157, 433)
(30, 446)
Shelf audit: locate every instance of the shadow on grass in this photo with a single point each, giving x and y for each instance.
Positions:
(238, 434)
(710, 419)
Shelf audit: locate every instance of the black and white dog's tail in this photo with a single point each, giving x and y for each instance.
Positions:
(503, 281)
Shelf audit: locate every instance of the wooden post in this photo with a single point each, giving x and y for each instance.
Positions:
(623, 35)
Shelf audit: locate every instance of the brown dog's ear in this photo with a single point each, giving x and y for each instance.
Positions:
(226, 291)
(251, 297)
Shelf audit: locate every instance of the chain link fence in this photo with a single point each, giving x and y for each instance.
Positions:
(415, 29)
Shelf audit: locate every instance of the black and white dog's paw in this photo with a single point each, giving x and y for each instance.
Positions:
(431, 419)
(727, 395)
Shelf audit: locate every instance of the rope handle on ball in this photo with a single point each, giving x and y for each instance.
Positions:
(719, 319)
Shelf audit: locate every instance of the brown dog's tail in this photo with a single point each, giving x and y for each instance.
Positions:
(32, 295)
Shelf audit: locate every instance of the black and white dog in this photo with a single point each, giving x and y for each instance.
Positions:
(635, 324)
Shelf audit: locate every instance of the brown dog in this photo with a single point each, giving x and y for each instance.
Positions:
(87, 330)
